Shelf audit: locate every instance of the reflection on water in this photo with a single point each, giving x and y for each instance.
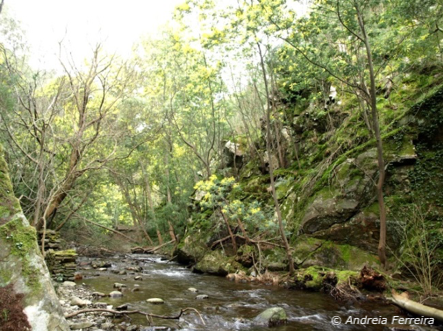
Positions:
(229, 306)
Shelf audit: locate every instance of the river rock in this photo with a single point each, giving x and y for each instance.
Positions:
(122, 307)
(98, 294)
(202, 297)
(271, 317)
(68, 284)
(81, 325)
(138, 278)
(76, 301)
(119, 285)
(116, 294)
(192, 289)
(155, 301)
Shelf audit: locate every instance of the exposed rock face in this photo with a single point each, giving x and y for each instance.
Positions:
(360, 231)
(21, 263)
(232, 155)
(353, 186)
(325, 212)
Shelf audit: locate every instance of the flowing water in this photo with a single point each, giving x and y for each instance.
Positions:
(229, 306)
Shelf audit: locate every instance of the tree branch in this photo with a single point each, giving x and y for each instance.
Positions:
(129, 312)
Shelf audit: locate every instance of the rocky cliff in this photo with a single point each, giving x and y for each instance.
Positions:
(325, 184)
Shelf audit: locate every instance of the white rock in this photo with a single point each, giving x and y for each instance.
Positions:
(68, 284)
(76, 301)
(115, 294)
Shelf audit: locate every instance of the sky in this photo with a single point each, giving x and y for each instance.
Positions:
(81, 24)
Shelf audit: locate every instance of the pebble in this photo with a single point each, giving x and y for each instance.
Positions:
(69, 284)
(192, 289)
(82, 325)
(115, 294)
(119, 285)
(155, 300)
(76, 301)
(202, 296)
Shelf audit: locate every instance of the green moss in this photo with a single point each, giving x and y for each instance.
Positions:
(23, 238)
(5, 277)
(215, 262)
(23, 243)
(345, 253)
(373, 208)
(68, 252)
(344, 276)
(9, 205)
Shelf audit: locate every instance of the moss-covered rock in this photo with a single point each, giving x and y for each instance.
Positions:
(275, 259)
(309, 252)
(190, 251)
(317, 278)
(216, 263)
(326, 210)
(271, 317)
(21, 263)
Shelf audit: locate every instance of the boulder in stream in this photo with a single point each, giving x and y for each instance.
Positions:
(271, 317)
(155, 301)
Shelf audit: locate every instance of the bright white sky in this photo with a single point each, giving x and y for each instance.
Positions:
(83, 23)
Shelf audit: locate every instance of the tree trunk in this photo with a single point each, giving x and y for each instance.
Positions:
(159, 236)
(172, 232)
(271, 168)
(376, 126)
(133, 208)
(234, 243)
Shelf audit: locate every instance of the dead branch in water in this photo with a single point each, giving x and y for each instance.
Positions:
(403, 301)
(130, 312)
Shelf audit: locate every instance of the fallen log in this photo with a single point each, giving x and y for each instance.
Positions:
(130, 312)
(403, 301)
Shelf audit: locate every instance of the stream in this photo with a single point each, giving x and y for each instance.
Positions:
(229, 305)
